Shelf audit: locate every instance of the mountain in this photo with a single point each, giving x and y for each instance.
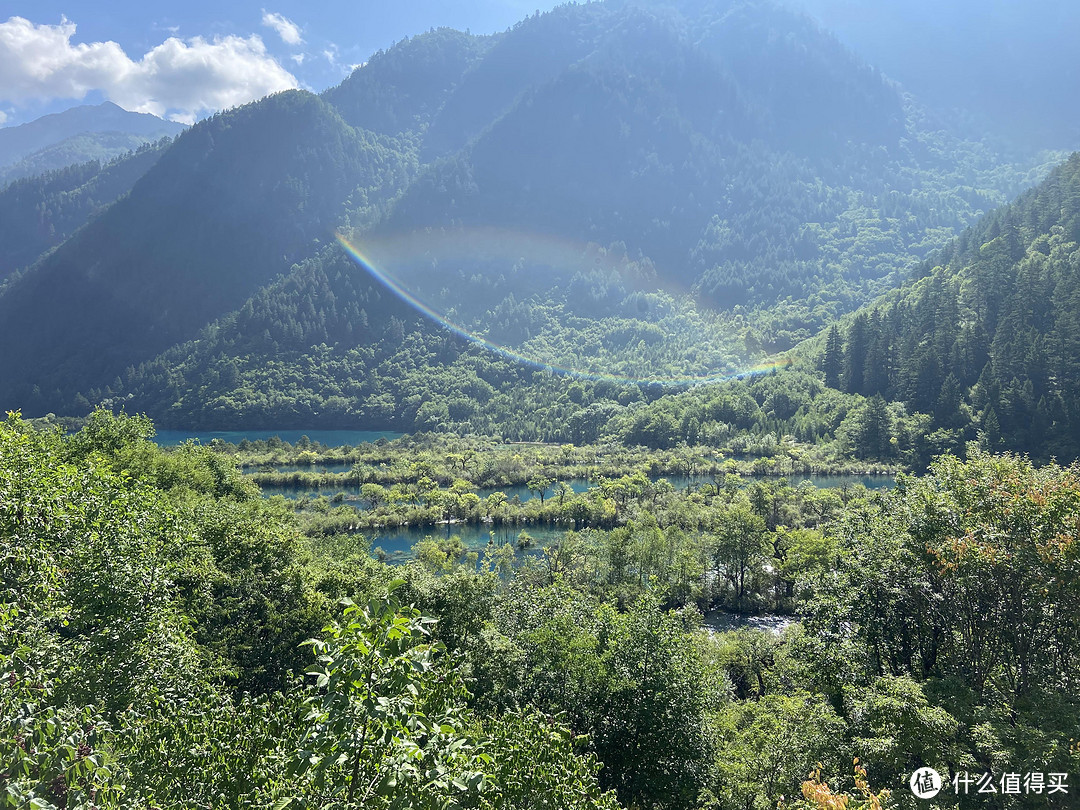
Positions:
(980, 349)
(330, 345)
(987, 341)
(611, 187)
(229, 206)
(80, 134)
(402, 89)
(1008, 66)
(618, 122)
(97, 147)
(39, 212)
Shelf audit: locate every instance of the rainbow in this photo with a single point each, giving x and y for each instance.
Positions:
(549, 250)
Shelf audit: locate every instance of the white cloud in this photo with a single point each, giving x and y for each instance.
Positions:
(299, 58)
(181, 79)
(3, 118)
(286, 28)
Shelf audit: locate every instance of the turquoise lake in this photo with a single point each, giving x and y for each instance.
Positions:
(397, 542)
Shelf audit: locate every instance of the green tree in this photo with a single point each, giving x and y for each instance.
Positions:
(832, 362)
(739, 549)
(539, 484)
(386, 728)
(768, 747)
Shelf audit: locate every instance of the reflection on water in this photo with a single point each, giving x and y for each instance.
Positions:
(335, 467)
(523, 493)
(398, 542)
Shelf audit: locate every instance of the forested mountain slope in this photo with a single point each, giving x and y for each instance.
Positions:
(100, 147)
(613, 121)
(402, 89)
(330, 345)
(747, 213)
(232, 204)
(40, 212)
(989, 339)
(984, 346)
(19, 142)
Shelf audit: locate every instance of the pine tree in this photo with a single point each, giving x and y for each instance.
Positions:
(832, 364)
(947, 410)
(875, 431)
(858, 344)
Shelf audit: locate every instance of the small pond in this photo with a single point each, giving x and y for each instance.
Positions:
(398, 542)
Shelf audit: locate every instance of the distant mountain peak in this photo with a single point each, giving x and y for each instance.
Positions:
(23, 140)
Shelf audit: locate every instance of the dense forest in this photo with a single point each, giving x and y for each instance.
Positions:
(986, 341)
(974, 349)
(583, 126)
(157, 618)
(77, 135)
(732, 412)
(41, 211)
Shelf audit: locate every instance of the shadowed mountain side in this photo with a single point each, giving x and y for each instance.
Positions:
(330, 345)
(234, 202)
(764, 176)
(403, 88)
(37, 213)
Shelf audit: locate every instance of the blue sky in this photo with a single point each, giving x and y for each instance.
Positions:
(186, 60)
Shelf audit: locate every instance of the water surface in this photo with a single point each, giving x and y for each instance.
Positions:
(523, 493)
(398, 542)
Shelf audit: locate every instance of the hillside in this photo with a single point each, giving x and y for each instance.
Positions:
(980, 347)
(77, 135)
(988, 340)
(229, 206)
(610, 188)
(40, 212)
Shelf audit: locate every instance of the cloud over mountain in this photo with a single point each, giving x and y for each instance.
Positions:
(178, 79)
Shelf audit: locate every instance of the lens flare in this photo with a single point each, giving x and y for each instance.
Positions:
(545, 249)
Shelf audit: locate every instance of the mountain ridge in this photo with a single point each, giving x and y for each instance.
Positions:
(774, 239)
(22, 141)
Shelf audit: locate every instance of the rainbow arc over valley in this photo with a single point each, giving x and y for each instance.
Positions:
(457, 245)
